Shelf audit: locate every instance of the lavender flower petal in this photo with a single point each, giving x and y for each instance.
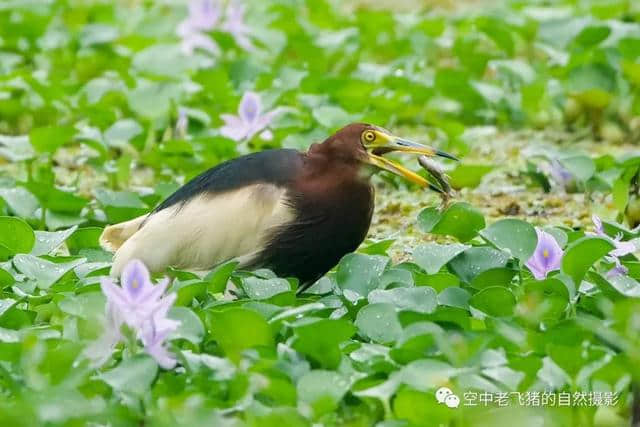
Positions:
(546, 257)
(135, 279)
(250, 107)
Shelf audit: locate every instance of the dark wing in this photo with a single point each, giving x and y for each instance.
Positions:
(276, 167)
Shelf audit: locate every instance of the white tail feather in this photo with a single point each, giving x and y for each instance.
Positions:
(114, 236)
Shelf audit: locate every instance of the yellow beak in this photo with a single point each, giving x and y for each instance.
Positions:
(385, 143)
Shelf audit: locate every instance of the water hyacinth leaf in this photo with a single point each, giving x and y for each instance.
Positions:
(495, 301)
(55, 199)
(16, 236)
(20, 201)
(592, 84)
(44, 273)
(49, 139)
(319, 384)
(593, 35)
(121, 132)
(422, 299)
(133, 375)
(47, 242)
(16, 148)
(433, 256)
(416, 406)
(190, 328)
(582, 167)
(454, 297)
(6, 278)
(514, 236)
(360, 273)
(558, 234)
(493, 277)
(217, 279)
(331, 117)
(120, 206)
(468, 176)
(627, 286)
(551, 297)
(460, 220)
(320, 340)
(476, 260)
(582, 254)
(427, 374)
(260, 289)
(238, 329)
(84, 238)
(379, 323)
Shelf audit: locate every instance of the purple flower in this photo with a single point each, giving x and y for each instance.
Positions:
(546, 257)
(203, 17)
(137, 298)
(234, 25)
(249, 121)
(560, 174)
(618, 270)
(143, 307)
(622, 248)
(155, 332)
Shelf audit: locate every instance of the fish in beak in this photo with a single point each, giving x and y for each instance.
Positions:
(382, 143)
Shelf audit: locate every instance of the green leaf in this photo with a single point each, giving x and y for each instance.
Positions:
(360, 273)
(238, 329)
(427, 374)
(331, 117)
(474, 261)
(84, 238)
(582, 167)
(320, 340)
(593, 35)
(493, 277)
(432, 256)
(15, 237)
(460, 220)
(55, 199)
(134, 375)
(190, 329)
(454, 297)
(468, 176)
(45, 273)
(627, 286)
(217, 279)
(318, 385)
(260, 289)
(422, 299)
(49, 139)
(514, 236)
(20, 201)
(47, 242)
(120, 206)
(496, 301)
(550, 296)
(582, 254)
(592, 84)
(379, 322)
(16, 148)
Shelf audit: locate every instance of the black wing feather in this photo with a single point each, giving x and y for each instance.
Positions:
(276, 167)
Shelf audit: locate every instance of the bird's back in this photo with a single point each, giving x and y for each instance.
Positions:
(221, 214)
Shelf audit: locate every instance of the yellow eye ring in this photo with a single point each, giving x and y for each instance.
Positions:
(369, 136)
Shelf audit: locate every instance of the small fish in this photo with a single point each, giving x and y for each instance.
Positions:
(437, 173)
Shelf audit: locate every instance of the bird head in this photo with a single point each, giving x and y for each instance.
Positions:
(369, 143)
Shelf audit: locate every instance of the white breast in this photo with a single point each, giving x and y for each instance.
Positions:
(208, 230)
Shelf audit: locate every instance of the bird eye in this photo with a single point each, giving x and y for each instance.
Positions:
(369, 136)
